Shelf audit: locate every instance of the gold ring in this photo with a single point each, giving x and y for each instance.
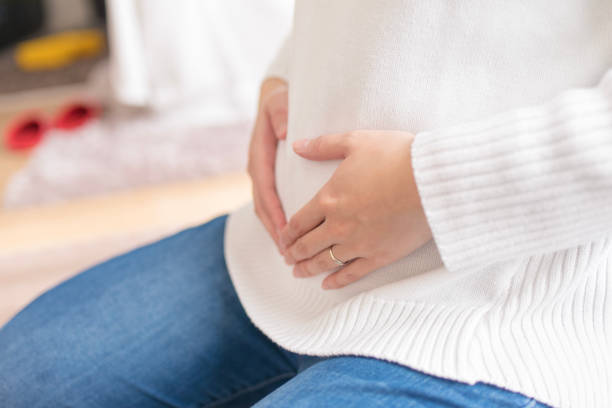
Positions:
(333, 257)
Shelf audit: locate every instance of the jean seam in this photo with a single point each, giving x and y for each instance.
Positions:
(251, 388)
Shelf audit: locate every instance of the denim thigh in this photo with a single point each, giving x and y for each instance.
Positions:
(355, 382)
(159, 326)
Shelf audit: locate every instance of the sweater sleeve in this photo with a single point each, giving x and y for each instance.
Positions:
(279, 67)
(529, 181)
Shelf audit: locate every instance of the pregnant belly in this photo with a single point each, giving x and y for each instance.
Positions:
(298, 180)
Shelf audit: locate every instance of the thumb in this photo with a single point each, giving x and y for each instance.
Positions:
(328, 147)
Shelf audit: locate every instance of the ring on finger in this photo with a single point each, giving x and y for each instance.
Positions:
(334, 258)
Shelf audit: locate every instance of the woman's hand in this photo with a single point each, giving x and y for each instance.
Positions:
(270, 126)
(369, 211)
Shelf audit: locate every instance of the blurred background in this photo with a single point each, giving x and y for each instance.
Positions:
(122, 121)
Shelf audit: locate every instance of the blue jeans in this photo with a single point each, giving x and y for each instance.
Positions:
(162, 327)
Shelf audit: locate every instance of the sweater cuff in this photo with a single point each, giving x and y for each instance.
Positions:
(530, 181)
(464, 178)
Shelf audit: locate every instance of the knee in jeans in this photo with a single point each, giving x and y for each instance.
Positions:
(24, 385)
(32, 375)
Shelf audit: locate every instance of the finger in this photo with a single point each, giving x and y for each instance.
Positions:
(306, 219)
(278, 112)
(274, 208)
(265, 220)
(310, 244)
(263, 216)
(323, 262)
(348, 274)
(327, 147)
(278, 120)
(266, 182)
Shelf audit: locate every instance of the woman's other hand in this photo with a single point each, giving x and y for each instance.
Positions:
(369, 211)
(270, 127)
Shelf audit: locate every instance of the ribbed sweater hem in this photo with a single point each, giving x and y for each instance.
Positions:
(495, 344)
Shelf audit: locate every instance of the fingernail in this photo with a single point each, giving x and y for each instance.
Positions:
(300, 145)
(327, 285)
(297, 273)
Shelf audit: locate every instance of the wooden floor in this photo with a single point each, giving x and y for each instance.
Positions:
(41, 246)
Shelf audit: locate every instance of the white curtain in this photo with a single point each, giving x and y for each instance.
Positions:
(208, 55)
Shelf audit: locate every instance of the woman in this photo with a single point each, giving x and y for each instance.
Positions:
(445, 172)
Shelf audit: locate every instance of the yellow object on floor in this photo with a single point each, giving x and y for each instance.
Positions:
(58, 50)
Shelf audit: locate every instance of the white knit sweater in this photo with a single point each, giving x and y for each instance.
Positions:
(512, 107)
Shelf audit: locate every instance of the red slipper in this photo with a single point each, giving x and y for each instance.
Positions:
(75, 115)
(25, 132)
